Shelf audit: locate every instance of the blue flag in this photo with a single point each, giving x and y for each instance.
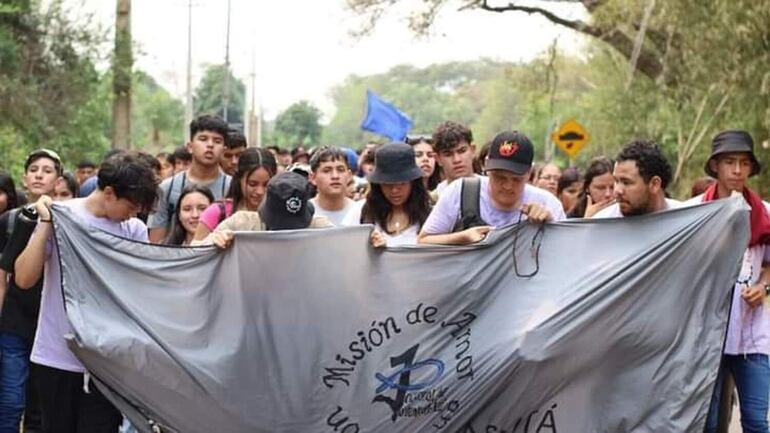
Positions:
(385, 119)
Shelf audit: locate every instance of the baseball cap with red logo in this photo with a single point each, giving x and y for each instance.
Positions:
(511, 151)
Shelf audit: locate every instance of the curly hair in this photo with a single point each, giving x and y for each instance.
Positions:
(649, 160)
(450, 134)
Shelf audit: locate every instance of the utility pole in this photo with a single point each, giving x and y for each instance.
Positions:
(253, 129)
(188, 111)
(122, 64)
(226, 98)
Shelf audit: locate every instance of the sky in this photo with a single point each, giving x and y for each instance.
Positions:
(300, 49)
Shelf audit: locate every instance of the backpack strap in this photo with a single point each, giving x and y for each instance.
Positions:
(222, 212)
(171, 204)
(470, 207)
(12, 215)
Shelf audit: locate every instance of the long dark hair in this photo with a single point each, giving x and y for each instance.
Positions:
(72, 183)
(251, 160)
(434, 178)
(7, 186)
(596, 167)
(377, 207)
(177, 233)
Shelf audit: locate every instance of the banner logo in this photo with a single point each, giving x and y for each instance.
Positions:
(404, 384)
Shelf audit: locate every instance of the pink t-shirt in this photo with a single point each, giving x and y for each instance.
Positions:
(212, 216)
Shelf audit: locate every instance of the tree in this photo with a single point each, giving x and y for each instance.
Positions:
(210, 92)
(122, 63)
(675, 71)
(429, 95)
(49, 85)
(298, 125)
(157, 118)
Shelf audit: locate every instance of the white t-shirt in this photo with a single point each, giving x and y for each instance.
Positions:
(446, 213)
(408, 236)
(613, 211)
(350, 215)
(748, 330)
(445, 183)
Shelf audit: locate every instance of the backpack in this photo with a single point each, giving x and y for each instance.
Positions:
(470, 207)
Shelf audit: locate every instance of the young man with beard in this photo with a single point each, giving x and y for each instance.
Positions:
(126, 187)
(641, 174)
(747, 345)
(503, 198)
(19, 310)
(455, 151)
(330, 175)
(208, 138)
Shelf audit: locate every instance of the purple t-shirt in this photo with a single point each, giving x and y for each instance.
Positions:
(50, 348)
(447, 211)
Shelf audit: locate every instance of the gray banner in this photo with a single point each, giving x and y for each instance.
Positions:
(619, 329)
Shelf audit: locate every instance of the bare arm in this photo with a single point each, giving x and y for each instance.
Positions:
(755, 295)
(201, 232)
(29, 265)
(3, 287)
(157, 235)
(465, 237)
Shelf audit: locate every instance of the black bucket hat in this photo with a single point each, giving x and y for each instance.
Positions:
(286, 205)
(733, 141)
(394, 163)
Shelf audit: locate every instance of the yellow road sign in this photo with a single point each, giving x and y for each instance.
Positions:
(571, 137)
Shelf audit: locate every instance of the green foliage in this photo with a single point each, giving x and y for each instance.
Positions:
(210, 91)
(52, 95)
(702, 68)
(429, 96)
(298, 125)
(157, 118)
(48, 82)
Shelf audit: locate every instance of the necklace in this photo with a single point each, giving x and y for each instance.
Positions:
(397, 225)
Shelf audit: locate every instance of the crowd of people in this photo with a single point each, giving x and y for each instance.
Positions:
(430, 189)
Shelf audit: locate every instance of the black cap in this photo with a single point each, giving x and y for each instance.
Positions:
(394, 163)
(732, 141)
(286, 205)
(511, 151)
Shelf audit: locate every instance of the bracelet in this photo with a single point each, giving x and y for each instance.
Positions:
(45, 221)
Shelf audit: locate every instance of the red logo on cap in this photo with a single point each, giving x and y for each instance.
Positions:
(508, 148)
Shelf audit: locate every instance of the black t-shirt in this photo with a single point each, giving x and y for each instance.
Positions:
(21, 307)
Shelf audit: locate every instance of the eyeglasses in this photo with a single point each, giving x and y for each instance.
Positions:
(551, 177)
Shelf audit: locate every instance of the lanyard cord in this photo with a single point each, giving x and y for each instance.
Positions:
(534, 248)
